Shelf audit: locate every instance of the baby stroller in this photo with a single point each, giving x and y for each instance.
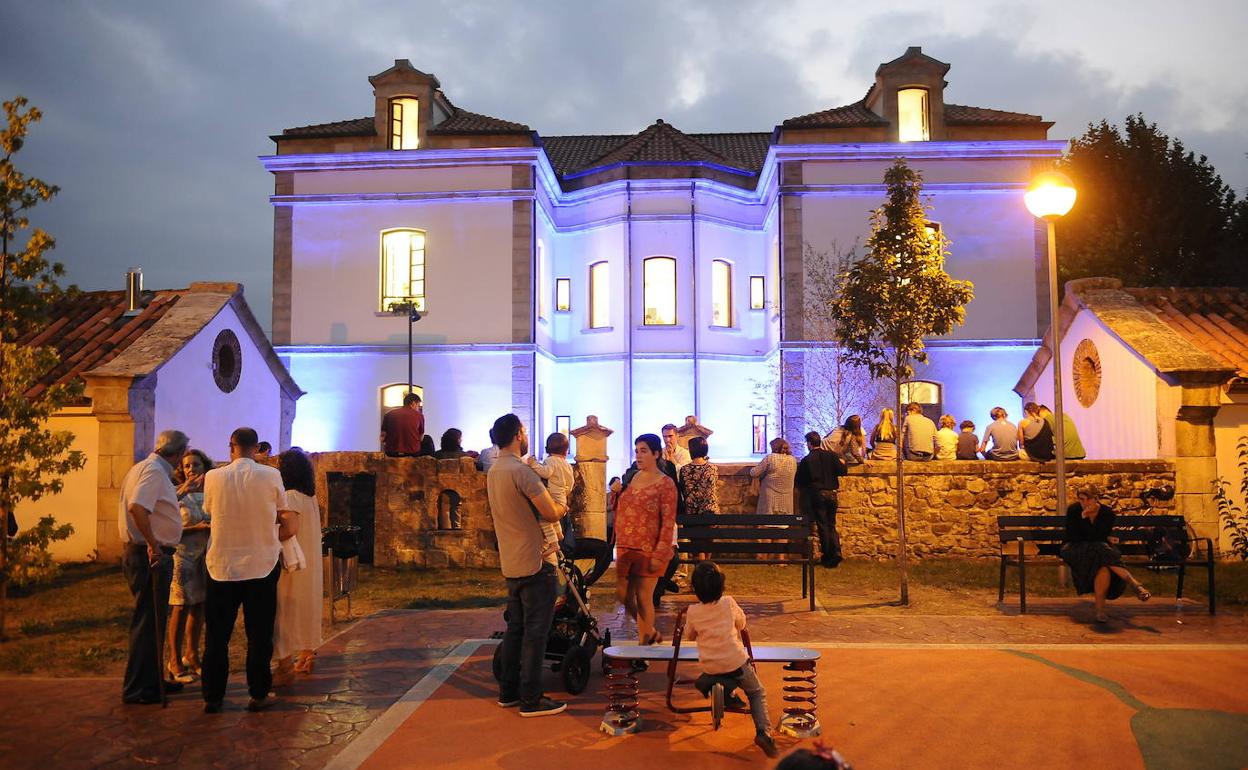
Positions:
(574, 636)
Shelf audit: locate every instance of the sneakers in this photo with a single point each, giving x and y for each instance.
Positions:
(765, 742)
(508, 701)
(542, 708)
(212, 707)
(260, 704)
(734, 701)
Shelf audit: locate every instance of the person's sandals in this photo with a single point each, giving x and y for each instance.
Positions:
(304, 663)
(1141, 592)
(765, 742)
(1101, 617)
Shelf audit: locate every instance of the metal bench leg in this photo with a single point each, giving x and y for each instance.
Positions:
(623, 715)
(1182, 574)
(800, 719)
(1213, 596)
(1022, 580)
(1001, 585)
(812, 587)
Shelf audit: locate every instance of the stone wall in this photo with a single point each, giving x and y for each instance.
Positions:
(951, 507)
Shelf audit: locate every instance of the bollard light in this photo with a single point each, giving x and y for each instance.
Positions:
(1050, 195)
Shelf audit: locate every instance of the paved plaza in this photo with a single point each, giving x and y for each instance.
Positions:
(412, 688)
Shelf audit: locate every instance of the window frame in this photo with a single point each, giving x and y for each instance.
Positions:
(563, 295)
(543, 301)
(754, 435)
(397, 138)
(727, 288)
(381, 396)
(563, 424)
(592, 317)
(761, 304)
(645, 290)
(384, 301)
(925, 114)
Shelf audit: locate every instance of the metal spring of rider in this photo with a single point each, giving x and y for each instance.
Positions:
(622, 715)
(800, 698)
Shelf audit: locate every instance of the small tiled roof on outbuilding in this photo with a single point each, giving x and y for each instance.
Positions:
(1214, 319)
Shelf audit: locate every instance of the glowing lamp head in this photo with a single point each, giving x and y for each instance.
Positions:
(1050, 195)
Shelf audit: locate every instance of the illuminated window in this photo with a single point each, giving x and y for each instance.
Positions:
(659, 291)
(392, 395)
(402, 268)
(543, 301)
(758, 292)
(563, 424)
(563, 294)
(912, 115)
(926, 394)
(758, 431)
(404, 113)
(721, 293)
(599, 296)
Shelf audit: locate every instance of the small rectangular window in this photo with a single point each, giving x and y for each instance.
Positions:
(758, 289)
(659, 291)
(543, 301)
(912, 115)
(759, 432)
(563, 295)
(404, 114)
(563, 424)
(721, 293)
(402, 269)
(599, 296)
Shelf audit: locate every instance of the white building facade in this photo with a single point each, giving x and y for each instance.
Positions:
(640, 278)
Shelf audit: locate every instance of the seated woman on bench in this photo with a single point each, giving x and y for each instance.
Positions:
(1095, 564)
(715, 623)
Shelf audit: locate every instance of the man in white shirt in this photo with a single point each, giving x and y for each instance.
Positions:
(247, 502)
(150, 525)
(674, 453)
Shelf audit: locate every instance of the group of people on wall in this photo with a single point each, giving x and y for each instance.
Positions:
(920, 438)
(201, 541)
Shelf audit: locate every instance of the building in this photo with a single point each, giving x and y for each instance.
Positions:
(640, 278)
(192, 359)
(1151, 373)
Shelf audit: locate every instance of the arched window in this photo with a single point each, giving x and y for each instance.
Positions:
(659, 291)
(392, 395)
(404, 117)
(599, 296)
(926, 394)
(912, 115)
(402, 269)
(721, 293)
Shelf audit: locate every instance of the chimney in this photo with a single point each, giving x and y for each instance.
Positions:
(134, 291)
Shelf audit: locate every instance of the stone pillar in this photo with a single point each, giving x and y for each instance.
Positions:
(1196, 462)
(119, 446)
(589, 495)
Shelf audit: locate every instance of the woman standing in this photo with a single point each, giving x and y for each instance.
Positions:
(645, 526)
(884, 437)
(190, 575)
(1095, 564)
(297, 630)
(776, 472)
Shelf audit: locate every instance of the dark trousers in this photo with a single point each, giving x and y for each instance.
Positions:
(821, 505)
(258, 598)
(599, 551)
(530, 610)
(668, 574)
(142, 679)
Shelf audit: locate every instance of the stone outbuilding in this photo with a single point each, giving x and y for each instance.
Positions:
(1155, 373)
(192, 359)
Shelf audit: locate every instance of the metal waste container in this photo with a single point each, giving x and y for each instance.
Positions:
(340, 549)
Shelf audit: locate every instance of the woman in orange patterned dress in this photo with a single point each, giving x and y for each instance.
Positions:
(645, 522)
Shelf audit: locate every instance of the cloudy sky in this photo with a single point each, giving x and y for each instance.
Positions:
(155, 112)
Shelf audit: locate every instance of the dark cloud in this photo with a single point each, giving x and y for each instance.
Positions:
(155, 113)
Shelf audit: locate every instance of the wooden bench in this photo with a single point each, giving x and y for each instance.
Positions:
(731, 538)
(1031, 541)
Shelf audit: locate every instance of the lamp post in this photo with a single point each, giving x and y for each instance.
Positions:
(408, 307)
(1049, 196)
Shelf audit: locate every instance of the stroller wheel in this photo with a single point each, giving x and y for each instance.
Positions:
(717, 704)
(498, 663)
(575, 669)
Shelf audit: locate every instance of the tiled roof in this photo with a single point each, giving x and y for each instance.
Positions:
(960, 115)
(660, 143)
(354, 127)
(465, 122)
(1213, 319)
(849, 116)
(91, 329)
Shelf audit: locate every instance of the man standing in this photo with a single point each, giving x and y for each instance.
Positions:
(403, 428)
(150, 524)
(247, 502)
(517, 502)
(918, 434)
(818, 479)
(674, 453)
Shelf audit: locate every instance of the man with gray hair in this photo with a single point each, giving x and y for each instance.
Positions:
(150, 524)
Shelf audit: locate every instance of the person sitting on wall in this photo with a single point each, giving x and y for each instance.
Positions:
(968, 444)
(452, 448)
(1035, 434)
(1003, 435)
(1088, 548)
(1072, 446)
(427, 448)
(848, 440)
(918, 434)
(403, 428)
(947, 439)
(884, 437)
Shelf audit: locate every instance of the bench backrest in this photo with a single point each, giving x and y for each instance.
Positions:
(1133, 531)
(745, 533)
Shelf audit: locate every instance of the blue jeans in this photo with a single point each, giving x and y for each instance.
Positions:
(747, 680)
(530, 610)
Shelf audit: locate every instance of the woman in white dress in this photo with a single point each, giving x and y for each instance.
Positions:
(297, 631)
(776, 473)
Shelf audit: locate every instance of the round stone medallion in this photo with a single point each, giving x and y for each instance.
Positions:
(227, 361)
(1086, 373)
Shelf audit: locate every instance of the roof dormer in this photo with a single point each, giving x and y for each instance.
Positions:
(408, 104)
(909, 93)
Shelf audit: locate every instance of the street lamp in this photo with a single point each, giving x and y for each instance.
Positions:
(1049, 196)
(408, 307)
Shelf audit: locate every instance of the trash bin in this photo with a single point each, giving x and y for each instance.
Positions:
(340, 548)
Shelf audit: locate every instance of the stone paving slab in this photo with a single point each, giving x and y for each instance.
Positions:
(80, 722)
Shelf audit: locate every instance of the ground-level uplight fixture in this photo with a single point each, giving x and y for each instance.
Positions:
(1050, 196)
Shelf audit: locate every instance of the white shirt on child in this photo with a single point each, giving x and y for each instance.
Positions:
(716, 627)
(559, 480)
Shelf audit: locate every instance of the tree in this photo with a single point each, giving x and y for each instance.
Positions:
(1150, 211)
(893, 298)
(32, 458)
